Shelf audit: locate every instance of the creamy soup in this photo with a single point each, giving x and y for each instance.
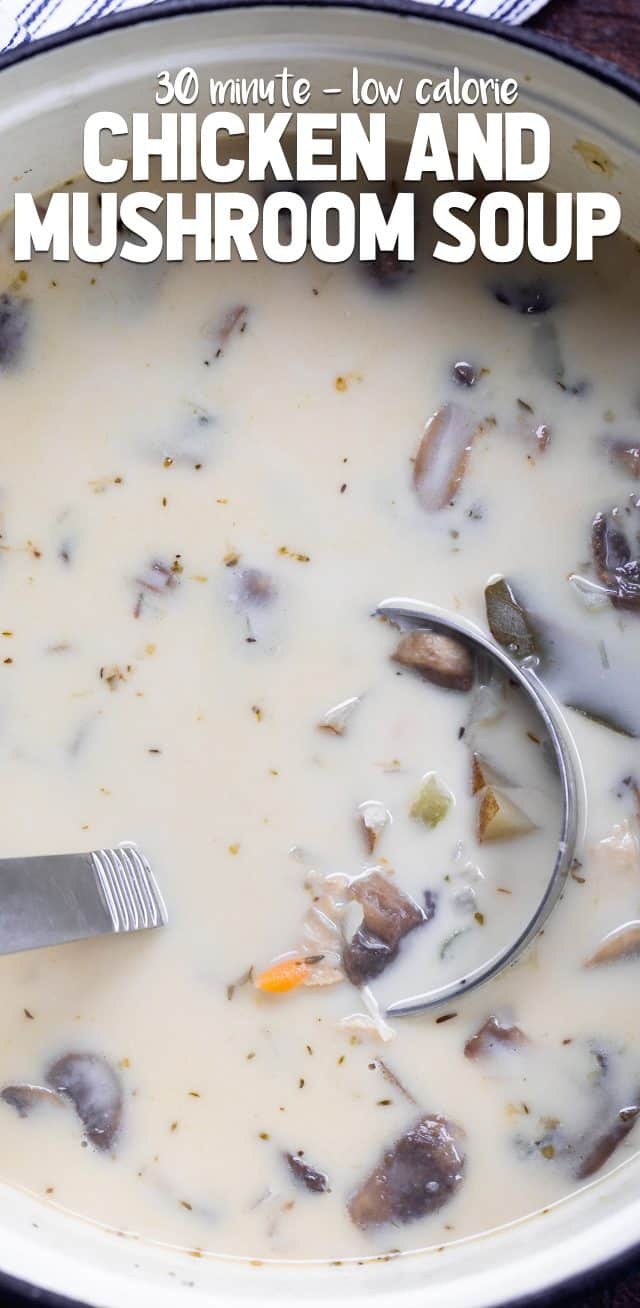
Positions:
(211, 477)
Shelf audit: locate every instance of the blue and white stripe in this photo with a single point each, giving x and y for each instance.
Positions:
(27, 20)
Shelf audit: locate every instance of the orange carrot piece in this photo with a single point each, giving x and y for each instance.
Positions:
(283, 976)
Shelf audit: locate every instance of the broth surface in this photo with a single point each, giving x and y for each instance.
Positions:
(207, 486)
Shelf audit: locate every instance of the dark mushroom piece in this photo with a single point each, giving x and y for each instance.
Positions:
(464, 373)
(91, 1084)
(25, 1097)
(388, 911)
(414, 1178)
(602, 1143)
(616, 1111)
(366, 956)
(524, 297)
(615, 541)
(443, 455)
(306, 1175)
(388, 915)
(583, 1150)
(440, 659)
(492, 1035)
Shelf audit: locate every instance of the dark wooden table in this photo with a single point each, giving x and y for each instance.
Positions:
(609, 29)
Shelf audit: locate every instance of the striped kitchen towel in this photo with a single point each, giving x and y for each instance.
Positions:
(27, 20)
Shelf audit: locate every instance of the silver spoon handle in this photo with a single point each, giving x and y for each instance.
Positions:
(53, 899)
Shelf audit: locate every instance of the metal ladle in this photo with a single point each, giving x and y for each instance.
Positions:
(409, 614)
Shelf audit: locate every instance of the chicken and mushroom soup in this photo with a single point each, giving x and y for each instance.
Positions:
(211, 476)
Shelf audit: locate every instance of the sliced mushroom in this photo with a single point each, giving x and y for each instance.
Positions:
(600, 1147)
(438, 658)
(365, 956)
(306, 1175)
(622, 943)
(443, 455)
(611, 549)
(387, 915)
(492, 1035)
(93, 1087)
(525, 297)
(414, 1178)
(388, 912)
(14, 321)
(584, 1147)
(25, 1098)
(615, 541)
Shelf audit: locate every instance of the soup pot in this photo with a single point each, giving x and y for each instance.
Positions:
(47, 89)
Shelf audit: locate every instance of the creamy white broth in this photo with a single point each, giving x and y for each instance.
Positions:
(127, 441)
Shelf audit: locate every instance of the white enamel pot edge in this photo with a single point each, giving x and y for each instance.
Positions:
(45, 94)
